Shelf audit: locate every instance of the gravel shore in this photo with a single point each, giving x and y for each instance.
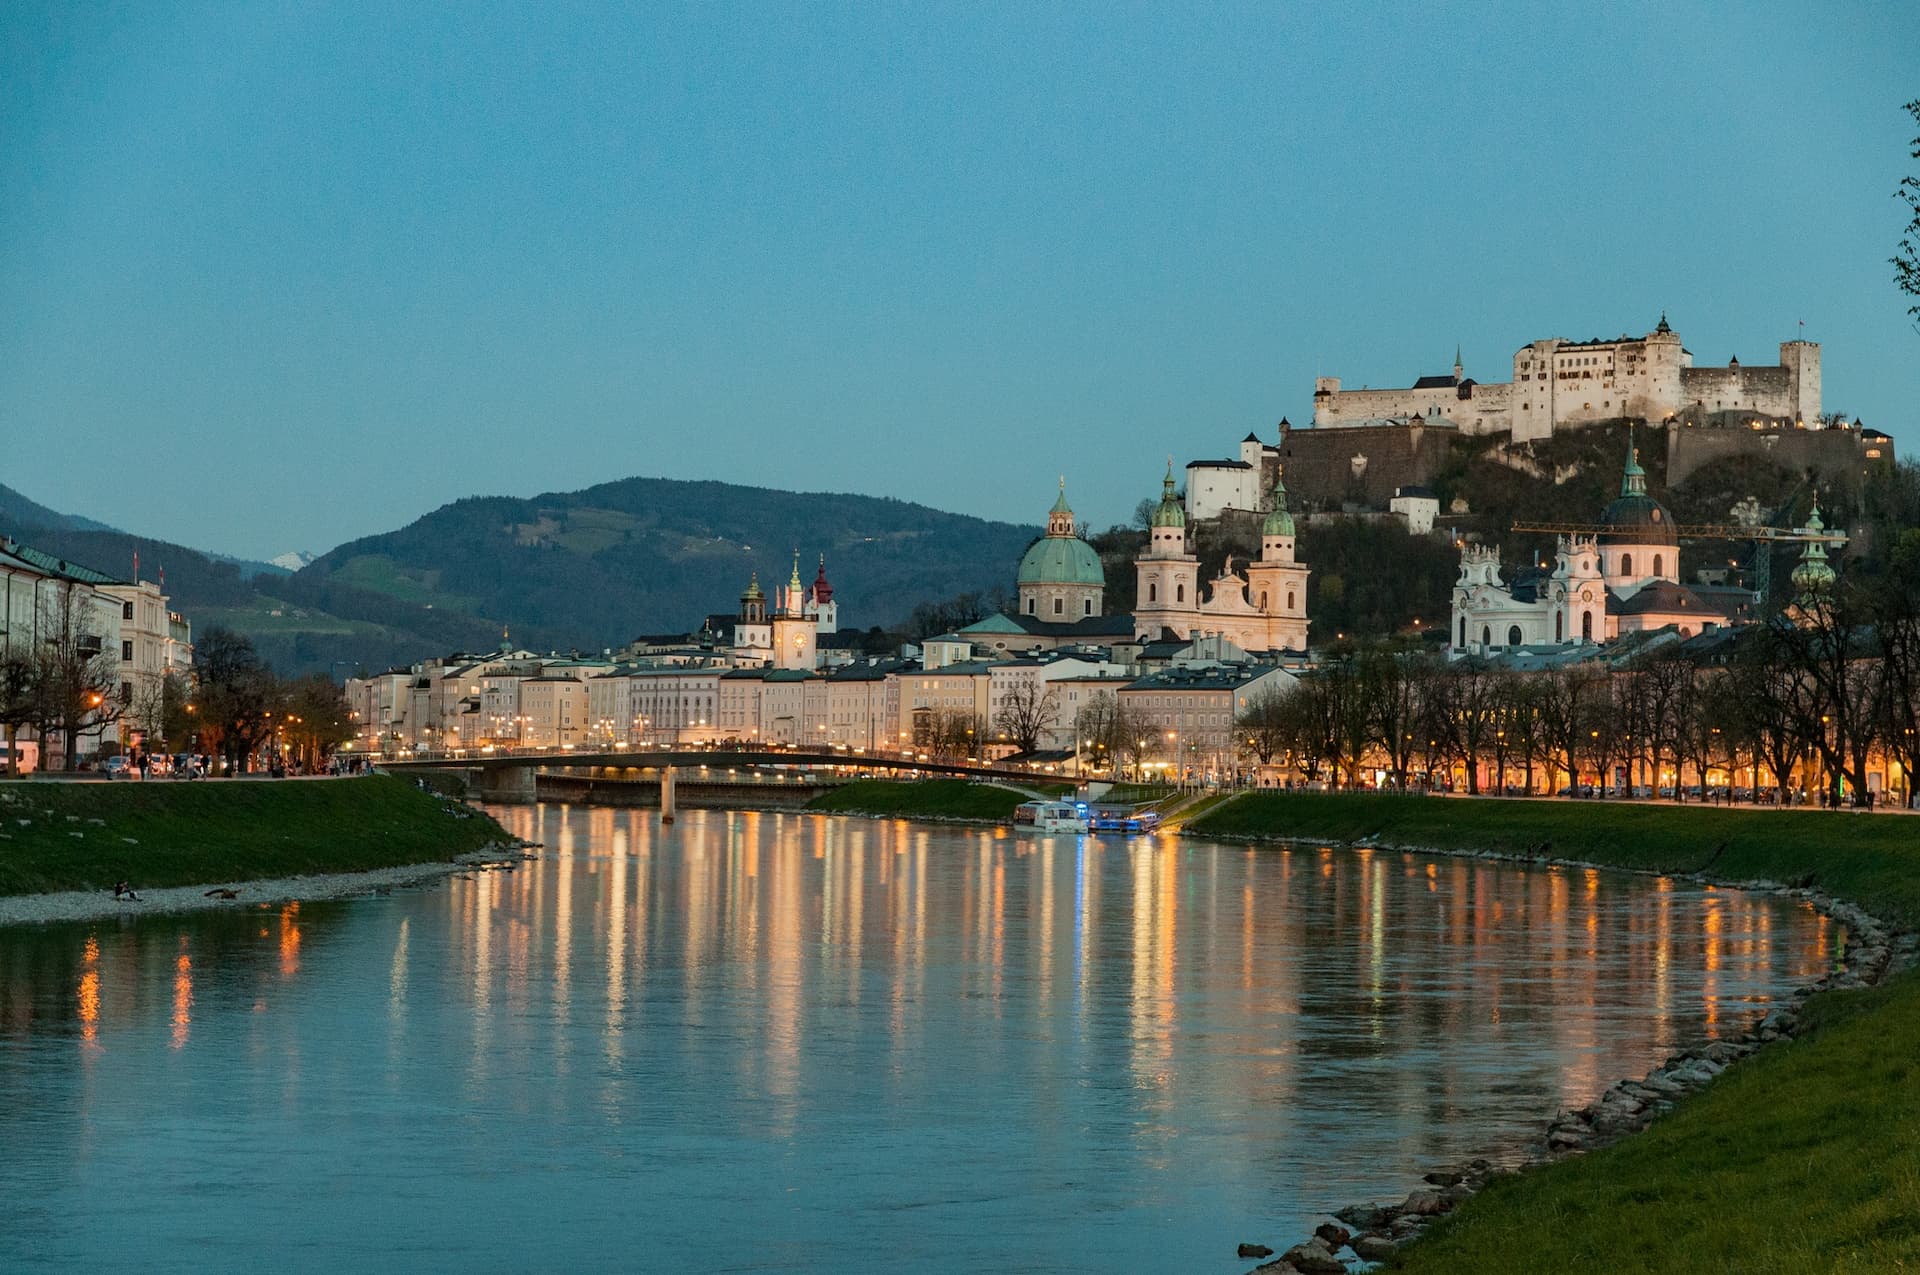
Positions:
(88, 905)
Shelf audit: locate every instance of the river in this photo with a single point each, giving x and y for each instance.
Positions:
(751, 1042)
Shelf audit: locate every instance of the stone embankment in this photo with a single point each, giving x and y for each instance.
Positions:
(1371, 1233)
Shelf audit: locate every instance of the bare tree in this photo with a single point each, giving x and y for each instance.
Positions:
(76, 680)
(1265, 725)
(1027, 712)
(1906, 261)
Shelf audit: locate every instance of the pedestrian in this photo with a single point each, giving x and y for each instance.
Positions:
(145, 762)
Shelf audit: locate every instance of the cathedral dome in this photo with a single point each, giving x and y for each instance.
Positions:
(1635, 517)
(1061, 560)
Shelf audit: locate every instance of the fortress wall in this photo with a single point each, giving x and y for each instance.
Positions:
(1485, 411)
(1321, 467)
(1833, 454)
(1769, 390)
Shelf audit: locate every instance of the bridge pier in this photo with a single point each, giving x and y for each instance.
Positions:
(509, 785)
(666, 795)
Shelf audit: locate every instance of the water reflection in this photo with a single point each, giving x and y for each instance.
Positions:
(856, 1041)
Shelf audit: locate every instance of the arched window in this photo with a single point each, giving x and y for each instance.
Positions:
(1289, 600)
(1486, 636)
(1153, 592)
(1626, 564)
(1059, 606)
(1559, 627)
(1513, 636)
(1586, 626)
(1263, 599)
(1656, 564)
(1463, 630)
(1179, 593)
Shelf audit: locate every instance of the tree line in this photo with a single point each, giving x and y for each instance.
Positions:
(1813, 695)
(66, 686)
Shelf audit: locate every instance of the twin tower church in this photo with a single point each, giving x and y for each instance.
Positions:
(1261, 606)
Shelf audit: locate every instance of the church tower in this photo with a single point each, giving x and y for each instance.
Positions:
(1277, 584)
(1167, 575)
(820, 604)
(751, 629)
(794, 633)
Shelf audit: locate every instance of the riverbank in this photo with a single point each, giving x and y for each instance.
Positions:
(92, 905)
(83, 837)
(1799, 1158)
(945, 799)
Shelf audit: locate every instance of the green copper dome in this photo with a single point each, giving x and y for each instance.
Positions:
(1062, 560)
(1169, 514)
(1280, 521)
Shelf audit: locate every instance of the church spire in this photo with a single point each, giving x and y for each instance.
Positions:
(1633, 479)
(1458, 367)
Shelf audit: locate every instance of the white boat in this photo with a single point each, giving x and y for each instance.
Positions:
(1051, 816)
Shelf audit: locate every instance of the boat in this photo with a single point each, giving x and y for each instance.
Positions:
(1109, 819)
(1051, 816)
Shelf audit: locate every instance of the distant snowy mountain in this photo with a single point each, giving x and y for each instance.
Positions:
(293, 560)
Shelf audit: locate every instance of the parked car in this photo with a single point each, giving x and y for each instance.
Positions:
(117, 768)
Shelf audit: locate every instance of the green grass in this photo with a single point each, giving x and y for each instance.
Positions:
(1871, 860)
(1806, 1157)
(945, 798)
(1803, 1158)
(86, 836)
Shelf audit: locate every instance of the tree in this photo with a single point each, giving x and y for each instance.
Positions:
(76, 680)
(1266, 724)
(1896, 621)
(1824, 640)
(17, 706)
(1563, 707)
(237, 694)
(316, 717)
(1906, 261)
(1027, 712)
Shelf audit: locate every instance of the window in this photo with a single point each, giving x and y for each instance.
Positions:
(1463, 630)
(1626, 564)
(1486, 636)
(126, 610)
(1263, 599)
(1586, 626)
(1059, 605)
(1029, 606)
(1513, 636)
(1086, 606)
(1179, 593)
(126, 692)
(1656, 564)
(1289, 599)
(1153, 592)
(1559, 627)
(126, 650)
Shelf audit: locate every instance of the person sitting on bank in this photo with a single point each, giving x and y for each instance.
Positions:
(124, 893)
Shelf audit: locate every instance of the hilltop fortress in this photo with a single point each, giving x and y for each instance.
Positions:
(1559, 384)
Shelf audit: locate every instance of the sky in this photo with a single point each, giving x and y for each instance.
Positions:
(274, 276)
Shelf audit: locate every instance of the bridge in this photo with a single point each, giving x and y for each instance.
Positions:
(619, 776)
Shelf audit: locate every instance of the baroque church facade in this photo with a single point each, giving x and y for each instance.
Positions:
(1263, 608)
(1622, 578)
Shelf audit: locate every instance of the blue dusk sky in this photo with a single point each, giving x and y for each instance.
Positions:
(274, 275)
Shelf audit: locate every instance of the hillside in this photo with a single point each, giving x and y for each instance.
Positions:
(658, 555)
(586, 570)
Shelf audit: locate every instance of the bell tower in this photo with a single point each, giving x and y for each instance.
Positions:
(1167, 575)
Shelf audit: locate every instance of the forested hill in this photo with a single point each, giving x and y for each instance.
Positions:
(594, 568)
(18, 511)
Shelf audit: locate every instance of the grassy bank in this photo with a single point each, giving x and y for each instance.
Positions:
(86, 836)
(925, 798)
(1805, 1157)
(1872, 860)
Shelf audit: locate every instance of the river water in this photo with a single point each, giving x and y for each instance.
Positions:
(791, 1042)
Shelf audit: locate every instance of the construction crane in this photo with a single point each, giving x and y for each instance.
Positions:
(1763, 538)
